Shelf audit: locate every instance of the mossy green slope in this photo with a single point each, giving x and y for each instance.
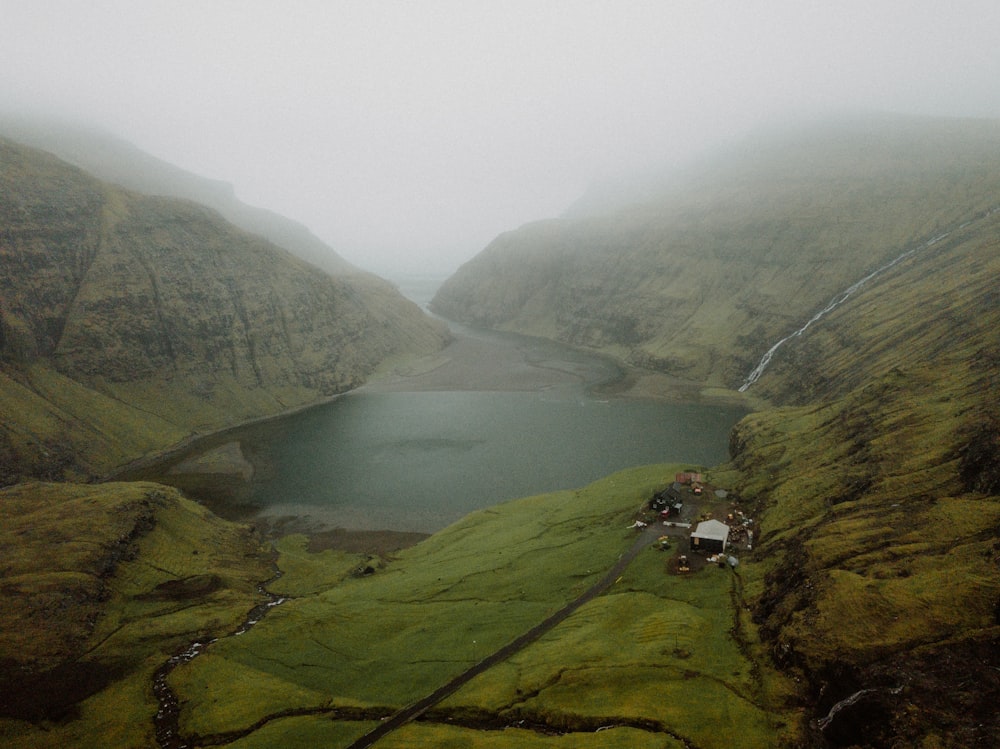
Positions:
(740, 251)
(130, 321)
(878, 566)
(661, 651)
(879, 562)
(372, 644)
(936, 310)
(101, 584)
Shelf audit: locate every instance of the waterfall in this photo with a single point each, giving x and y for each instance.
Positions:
(844, 295)
(823, 723)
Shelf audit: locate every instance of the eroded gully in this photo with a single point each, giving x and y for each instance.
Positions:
(167, 719)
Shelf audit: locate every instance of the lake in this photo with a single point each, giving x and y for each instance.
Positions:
(496, 416)
(419, 461)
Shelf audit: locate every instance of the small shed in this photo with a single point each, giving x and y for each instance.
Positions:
(688, 477)
(710, 535)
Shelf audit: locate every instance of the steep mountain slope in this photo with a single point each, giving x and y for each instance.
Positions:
(935, 309)
(742, 249)
(129, 322)
(879, 552)
(112, 159)
(101, 580)
(875, 485)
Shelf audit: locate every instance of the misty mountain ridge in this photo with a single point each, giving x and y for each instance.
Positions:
(874, 477)
(115, 160)
(842, 137)
(701, 281)
(130, 322)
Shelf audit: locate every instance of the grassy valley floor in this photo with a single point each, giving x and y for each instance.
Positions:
(660, 659)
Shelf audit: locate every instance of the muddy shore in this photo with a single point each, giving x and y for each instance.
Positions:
(488, 361)
(472, 361)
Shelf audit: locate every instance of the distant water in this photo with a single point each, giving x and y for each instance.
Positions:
(420, 461)
(419, 288)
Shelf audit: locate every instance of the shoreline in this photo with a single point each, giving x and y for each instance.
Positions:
(179, 448)
(475, 360)
(488, 360)
(460, 361)
(433, 372)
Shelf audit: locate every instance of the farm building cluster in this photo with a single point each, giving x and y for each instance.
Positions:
(691, 510)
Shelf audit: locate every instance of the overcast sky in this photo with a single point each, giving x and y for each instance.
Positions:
(409, 134)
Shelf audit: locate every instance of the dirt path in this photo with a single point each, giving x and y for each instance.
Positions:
(646, 537)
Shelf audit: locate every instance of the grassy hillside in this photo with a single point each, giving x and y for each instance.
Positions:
(101, 584)
(876, 573)
(879, 563)
(868, 614)
(938, 310)
(129, 322)
(739, 251)
(113, 160)
(137, 572)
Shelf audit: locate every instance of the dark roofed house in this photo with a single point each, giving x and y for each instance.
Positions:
(711, 536)
(668, 501)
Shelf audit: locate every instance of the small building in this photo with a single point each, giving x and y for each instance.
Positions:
(668, 502)
(711, 536)
(688, 477)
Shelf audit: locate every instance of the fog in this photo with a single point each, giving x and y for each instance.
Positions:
(408, 134)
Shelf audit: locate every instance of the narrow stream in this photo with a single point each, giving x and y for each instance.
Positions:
(167, 718)
(848, 292)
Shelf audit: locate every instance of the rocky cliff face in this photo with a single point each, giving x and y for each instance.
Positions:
(739, 251)
(160, 307)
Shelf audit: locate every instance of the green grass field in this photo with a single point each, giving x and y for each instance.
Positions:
(656, 654)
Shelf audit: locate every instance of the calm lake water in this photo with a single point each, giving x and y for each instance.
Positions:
(378, 459)
(419, 461)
